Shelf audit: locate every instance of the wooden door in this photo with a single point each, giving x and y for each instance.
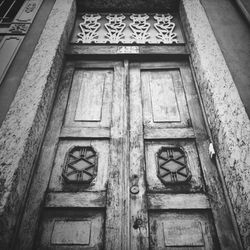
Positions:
(180, 204)
(125, 164)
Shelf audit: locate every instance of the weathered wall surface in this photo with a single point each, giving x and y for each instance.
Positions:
(227, 118)
(233, 36)
(9, 85)
(22, 130)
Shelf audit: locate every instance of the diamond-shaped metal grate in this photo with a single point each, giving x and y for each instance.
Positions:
(80, 165)
(172, 165)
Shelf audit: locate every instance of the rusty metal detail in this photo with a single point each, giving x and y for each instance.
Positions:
(172, 166)
(89, 28)
(80, 165)
(165, 28)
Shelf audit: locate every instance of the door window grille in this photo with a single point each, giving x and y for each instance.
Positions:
(8, 10)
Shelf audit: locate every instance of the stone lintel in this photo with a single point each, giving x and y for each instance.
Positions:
(228, 121)
(22, 131)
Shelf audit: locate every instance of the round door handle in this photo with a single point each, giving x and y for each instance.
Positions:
(134, 189)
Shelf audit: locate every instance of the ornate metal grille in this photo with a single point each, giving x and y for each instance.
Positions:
(172, 165)
(115, 27)
(89, 28)
(140, 28)
(127, 29)
(165, 27)
(80, 165)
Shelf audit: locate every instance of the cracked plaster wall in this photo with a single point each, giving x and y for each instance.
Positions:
(226, 114)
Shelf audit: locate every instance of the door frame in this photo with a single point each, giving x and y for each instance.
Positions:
(35, 204)
(22, 162)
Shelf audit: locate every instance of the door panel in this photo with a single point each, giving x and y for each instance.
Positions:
(185, 230)
(58, 183)
(125, 164)
(164, 103)
(163, 98)
(90, 97)
(90, 100)
(72, 229)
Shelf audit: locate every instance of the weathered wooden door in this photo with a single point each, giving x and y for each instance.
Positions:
(180, 204)
(125, 164)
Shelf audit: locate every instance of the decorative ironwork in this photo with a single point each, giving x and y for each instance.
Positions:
(115, 27)
(165, 28)
(140, 28)
(89, 28)
(172, 166)
(80, 165)
(120, 28)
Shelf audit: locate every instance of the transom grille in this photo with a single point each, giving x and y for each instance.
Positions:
(127, 28)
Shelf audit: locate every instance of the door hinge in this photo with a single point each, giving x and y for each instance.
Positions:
(211, 151)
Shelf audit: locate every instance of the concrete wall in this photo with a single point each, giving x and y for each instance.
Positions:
(233, 35)
(227, 117)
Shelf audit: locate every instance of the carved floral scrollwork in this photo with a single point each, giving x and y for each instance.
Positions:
(115, 27)
(165, 28)
(19, 28)
(89, 28)
(30, 7)
(140, 28)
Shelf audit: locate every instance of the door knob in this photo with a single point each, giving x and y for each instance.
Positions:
(134, 189)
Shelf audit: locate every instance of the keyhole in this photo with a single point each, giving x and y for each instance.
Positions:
(137, 223)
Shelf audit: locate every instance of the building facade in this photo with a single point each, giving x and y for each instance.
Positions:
(124, 124)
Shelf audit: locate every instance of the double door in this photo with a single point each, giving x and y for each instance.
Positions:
(125, 164)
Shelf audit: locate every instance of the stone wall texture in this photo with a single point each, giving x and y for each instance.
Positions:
(22, 131)
(228, 121)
